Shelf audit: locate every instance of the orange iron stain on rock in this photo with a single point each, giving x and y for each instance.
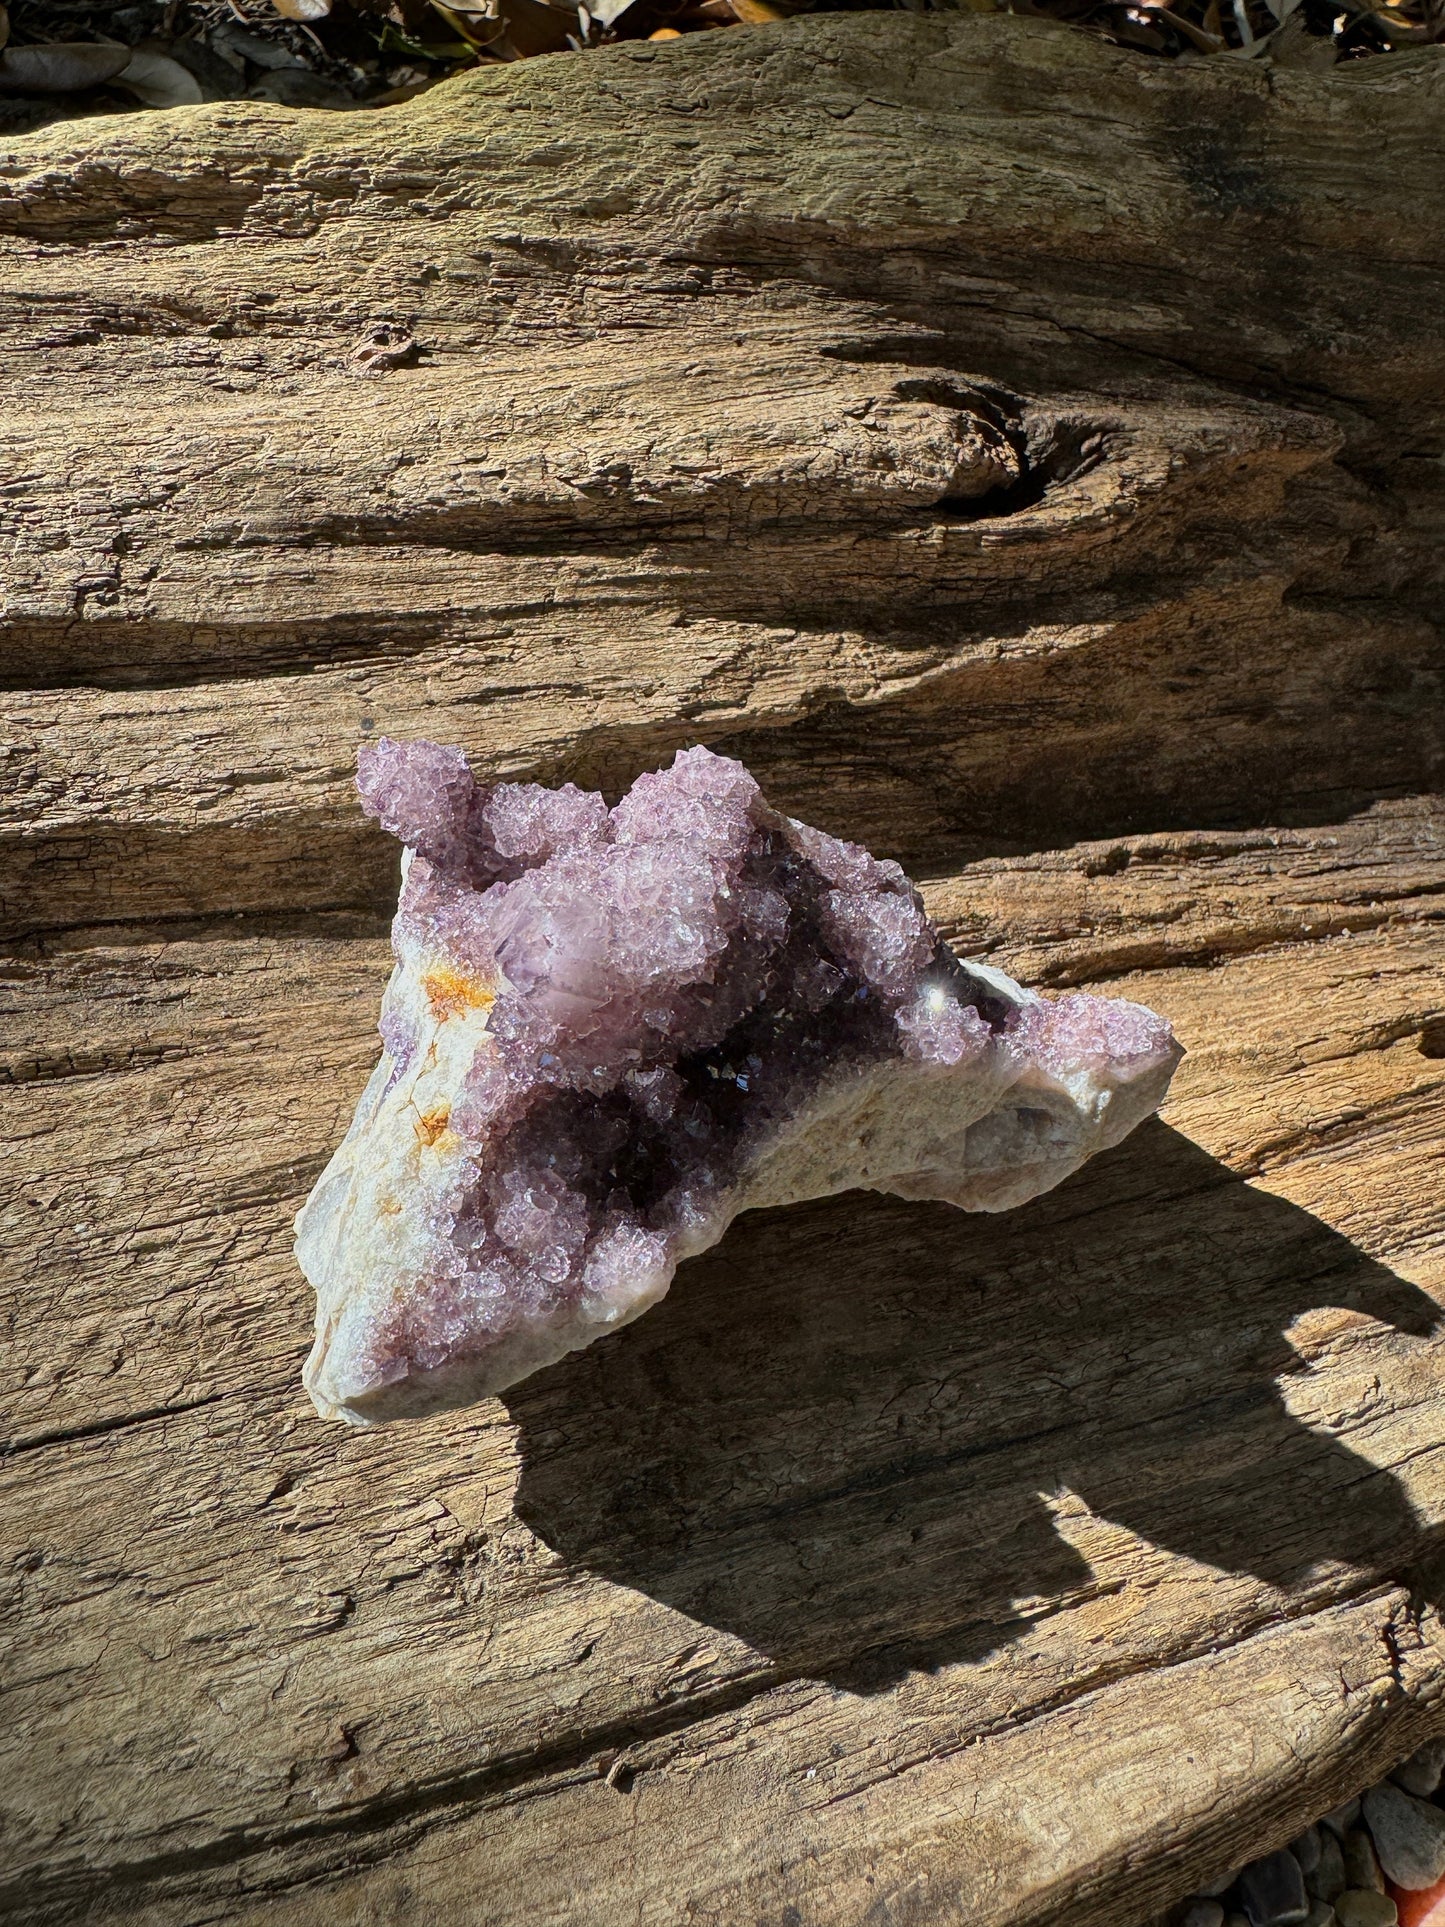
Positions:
(1425, 1908)
(430, 1126)
(450, 992)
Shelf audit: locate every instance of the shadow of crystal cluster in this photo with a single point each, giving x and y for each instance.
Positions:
(610, 1030)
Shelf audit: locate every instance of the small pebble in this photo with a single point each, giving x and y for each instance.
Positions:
(1362, 1869)
(1328, 1878)
(1273, 1891)
(1363, 1907)
(1321, 1915)
(1203, 1913)
(1307, 1850)
(1339, 1820)
(1409, 1836)
(1420, 1774)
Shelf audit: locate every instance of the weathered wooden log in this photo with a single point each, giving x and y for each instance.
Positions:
(1028, 457)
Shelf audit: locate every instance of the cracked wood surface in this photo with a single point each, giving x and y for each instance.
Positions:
(998, 441)
(1027, 457)
(882, 1516)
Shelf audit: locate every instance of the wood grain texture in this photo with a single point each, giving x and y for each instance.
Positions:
(1027, 457)
(999, 441)
(884, 1510)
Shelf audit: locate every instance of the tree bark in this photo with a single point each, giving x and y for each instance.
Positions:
(1028, 457)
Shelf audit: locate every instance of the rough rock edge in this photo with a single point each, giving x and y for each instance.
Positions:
(957, 1134)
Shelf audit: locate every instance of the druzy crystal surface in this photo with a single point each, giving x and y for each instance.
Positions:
(610, 1030)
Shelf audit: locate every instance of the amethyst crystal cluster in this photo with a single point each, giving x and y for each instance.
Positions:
(611, 1030)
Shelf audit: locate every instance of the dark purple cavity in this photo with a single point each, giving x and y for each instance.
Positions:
(680, 973)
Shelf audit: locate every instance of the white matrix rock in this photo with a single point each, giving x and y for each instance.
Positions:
(608, 1032)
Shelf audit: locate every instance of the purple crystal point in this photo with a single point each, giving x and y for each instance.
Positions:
(609, 1031)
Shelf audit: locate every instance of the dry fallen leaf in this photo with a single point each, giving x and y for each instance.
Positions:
(302, 10)
(607, 12)
(159, 81)
(533, 27)
(756, 13)
(479, 28)
(1206, 40)
(64, 67)
(1293, 45)
(236, 46)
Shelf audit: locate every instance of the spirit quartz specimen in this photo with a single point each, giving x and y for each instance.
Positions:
(610, 1031)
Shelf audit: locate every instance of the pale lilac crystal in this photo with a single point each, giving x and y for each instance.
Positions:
(527, 823)
(427, 796)
(666, 987)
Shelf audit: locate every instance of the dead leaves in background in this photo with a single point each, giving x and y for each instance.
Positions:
(1282, 33)
(158, 81)
(1286, 33)
(522, 29)
(78, 66)
(65, 57)
(59, 68)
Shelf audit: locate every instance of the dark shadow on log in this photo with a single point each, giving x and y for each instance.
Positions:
(839, 1436)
